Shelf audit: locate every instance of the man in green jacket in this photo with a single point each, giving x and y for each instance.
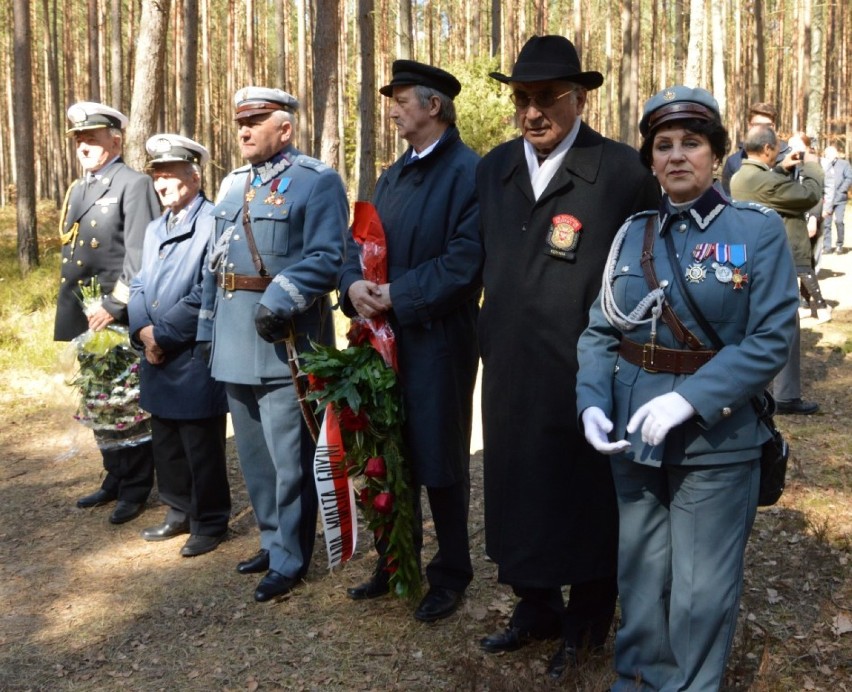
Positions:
(791, 197)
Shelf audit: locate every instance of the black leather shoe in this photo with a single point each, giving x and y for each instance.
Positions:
(198, 545)
(166, 530)
(510, 639)
(438, 603)
(96, 499)
(375, 586)
(257, 563)
(273, 585)
(796, 406)
(564, 658)
(125, 511)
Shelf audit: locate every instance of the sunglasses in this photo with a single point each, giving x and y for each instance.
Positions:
(544, 99)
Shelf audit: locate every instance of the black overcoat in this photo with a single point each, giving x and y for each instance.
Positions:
(430, 216)
(113, 213)
(550, 513)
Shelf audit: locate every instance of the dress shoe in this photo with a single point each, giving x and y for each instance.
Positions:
(438, 603)
(257, 563)
(198, 545)
(166, 530)
(375, 586)
(510, 639)
(564, 658)
(823, 315)
(797, 406)
(273, 585)
(125, 511)
(96, 499)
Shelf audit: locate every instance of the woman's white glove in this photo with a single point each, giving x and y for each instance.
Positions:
(659, 416)
(597, 428)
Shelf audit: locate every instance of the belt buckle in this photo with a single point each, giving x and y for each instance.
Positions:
(648, 357)
(228, 281)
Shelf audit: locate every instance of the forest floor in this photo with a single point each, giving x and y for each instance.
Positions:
(85, 605)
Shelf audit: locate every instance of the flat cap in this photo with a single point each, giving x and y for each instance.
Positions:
(169, 148)
(678, 103)
(255, 100)
(87, 115)
(549, 57)
(411, 72)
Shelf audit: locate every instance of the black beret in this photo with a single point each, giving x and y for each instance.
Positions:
(411, 72)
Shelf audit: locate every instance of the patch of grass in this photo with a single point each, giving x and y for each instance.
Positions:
(28, 303)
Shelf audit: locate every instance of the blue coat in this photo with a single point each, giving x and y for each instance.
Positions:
(167, 294)
(757, 324)
(430, 216)
(299, 230)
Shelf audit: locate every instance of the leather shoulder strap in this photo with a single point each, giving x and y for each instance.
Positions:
(255, 255)
(679, 329)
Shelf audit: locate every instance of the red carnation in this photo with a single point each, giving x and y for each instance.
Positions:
(375, 468)
(358, 334)
(383, 503)
(316, 384)
(351, 421)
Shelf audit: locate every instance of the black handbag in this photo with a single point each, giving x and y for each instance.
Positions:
(775, 451)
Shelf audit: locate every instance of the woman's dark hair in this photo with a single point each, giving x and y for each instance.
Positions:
(715, 132)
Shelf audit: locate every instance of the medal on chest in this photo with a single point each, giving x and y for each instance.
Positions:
(276, 192)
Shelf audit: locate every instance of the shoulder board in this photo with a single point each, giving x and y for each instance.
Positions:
(311, 162)
(642, 214)
(754, 206)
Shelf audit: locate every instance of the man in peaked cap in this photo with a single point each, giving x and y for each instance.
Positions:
(102, 229)
(279, 225)
(551, 202)
(188, 407)
(427, 205)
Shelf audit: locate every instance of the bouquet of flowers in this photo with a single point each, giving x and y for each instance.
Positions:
(363, 393)
(359, 386)
(108, 380)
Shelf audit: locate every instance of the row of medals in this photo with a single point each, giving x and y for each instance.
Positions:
(697, 272)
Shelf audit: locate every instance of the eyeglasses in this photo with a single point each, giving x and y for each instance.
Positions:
(545, 99)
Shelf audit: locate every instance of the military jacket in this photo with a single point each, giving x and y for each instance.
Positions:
(103, 229)
(298, 213)
(754, 316)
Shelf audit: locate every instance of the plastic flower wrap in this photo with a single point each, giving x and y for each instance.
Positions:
(108, 381)
(360, 388)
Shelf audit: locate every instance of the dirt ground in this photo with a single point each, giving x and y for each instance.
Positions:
(91, 606)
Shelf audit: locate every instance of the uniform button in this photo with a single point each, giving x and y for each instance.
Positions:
(79, 263)
(230, 265)
(269, 215)
(62, 280)
(81, 243)
(524, 227)
(229, 295)
(93, 223)
(616, 369)
(664, 283)
(726, 411)
(155, 304)
(682, 227)
(221, 213)
(625, 268)
(64, 260)
(236, 236)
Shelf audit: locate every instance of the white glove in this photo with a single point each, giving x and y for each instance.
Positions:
(660, 415)
(597, 427)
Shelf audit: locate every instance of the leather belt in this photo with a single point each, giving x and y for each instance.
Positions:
(653, 358)
(242, 282)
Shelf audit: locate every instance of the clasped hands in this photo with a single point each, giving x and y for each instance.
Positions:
(657, 417)
(153, 353)
(370, 299)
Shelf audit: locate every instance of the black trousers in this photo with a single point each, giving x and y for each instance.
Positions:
(129, 472)
(192, 476)
(585, 621)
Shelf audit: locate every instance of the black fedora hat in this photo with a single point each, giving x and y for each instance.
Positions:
(549, 57)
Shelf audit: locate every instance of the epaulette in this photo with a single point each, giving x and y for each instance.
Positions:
(312, 163)
(754, 206)
(641, 215)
